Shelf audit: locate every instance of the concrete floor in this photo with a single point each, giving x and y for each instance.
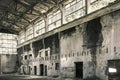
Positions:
(23, 77)
(30, 77)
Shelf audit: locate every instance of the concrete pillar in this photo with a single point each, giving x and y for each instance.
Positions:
(0, 64)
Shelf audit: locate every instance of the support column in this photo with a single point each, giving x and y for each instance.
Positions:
(32, 51)
(0, 64)
(59, 55)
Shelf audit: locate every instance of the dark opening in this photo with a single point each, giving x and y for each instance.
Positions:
(93, 36)
(27, 48)
(41, 69)
(38, 45)
(52, 42)
(39, 54)
(30, 56)
(45, 70)
(114, 69)
(79, 69)
(35, 70)
(29, 70)
(26, 57)
(24, 72)
(46, 53)
(57, 66)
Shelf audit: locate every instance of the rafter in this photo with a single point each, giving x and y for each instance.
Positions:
(24, 13)
(24, 9)
(18, 26)
(37, 11)
(31, 13)
(26, 19)
(19, 2)
(9, 20)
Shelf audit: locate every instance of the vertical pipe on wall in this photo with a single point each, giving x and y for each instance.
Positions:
(43, 41)
(59, 35)
(46, 22)
(86, 7)
(0, 64)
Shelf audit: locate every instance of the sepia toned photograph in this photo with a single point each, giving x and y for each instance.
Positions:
(59, 39)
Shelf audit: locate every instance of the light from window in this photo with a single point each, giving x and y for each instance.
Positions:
(112, 70)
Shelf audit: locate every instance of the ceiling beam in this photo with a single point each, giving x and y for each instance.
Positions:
(31, 13)
(21, 15)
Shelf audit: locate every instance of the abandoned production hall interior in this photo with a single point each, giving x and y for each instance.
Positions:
(75, 39)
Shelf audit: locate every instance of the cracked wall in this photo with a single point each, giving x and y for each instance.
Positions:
(71, 44)
(111, 46)
(44, 51)
(93, 43)
(96, 41)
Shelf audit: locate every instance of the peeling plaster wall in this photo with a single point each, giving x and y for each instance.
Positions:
(38, 50)
(71, 44)
(111, 43)
(77, 45)
(106, 48)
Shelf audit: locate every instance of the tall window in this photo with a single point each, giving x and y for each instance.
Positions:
(29, 33)
(54, 20)
(39, 28)
(8, 43)
(21, 37)
(98, 4)
(74, 10)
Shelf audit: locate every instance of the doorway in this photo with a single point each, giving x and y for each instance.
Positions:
(79, 70)
(114, 69)
(29, 72)
(41, 69)
(45, 70)
(35, 70)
